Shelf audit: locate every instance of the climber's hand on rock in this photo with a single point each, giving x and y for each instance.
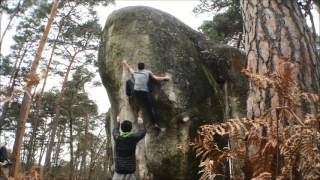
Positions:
(140, 120)
(118, 119)
(167, 78)
(3, 163)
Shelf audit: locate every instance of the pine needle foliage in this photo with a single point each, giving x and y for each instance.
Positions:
(285, 145)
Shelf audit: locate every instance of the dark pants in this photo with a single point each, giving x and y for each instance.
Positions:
(146, 100)
(3, 154)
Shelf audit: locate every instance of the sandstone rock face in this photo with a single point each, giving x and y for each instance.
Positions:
(206, 85)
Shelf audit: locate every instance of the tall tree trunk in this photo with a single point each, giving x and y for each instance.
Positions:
(83, 168)
(61, 136)
(71, 145)
(91, 164)
(25, 108)
(76, 157)
(39, 102)
(55, 121)
(109, 154)
(275, 31)
(42, 145)
(94, 157)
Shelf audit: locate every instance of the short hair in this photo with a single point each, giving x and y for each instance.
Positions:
(126, 126)
(140, 66)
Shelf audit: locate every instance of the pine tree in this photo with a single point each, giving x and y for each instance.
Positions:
(33, 79)
(77, 39)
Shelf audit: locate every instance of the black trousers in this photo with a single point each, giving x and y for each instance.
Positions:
(146, 100)
(3, 154)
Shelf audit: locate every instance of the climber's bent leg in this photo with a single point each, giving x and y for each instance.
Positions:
(151, 109)
(147, 101)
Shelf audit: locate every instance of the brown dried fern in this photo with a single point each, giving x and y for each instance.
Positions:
(280, 137)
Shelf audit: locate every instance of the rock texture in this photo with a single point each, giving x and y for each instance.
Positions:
(206, 85)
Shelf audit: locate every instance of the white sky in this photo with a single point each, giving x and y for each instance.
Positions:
(181, 9)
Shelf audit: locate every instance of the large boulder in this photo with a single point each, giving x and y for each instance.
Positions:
(202, 76)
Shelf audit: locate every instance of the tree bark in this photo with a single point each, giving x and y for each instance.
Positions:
(276, 31)
(25, 108)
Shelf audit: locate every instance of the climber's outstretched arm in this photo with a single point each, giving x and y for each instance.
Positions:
(130, 69)
(141, 130)
(160, 78)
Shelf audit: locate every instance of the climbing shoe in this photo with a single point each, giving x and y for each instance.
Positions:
(156, 127)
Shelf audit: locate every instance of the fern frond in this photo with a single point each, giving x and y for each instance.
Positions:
(280, 139)
(311, 97)
(263, 176)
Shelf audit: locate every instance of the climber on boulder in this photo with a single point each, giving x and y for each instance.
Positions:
(125, 147)
(141, 89)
